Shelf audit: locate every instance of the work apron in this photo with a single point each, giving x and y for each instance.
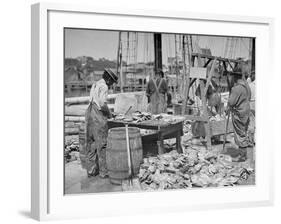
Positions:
(240, 124)
(157, 100)
(93, 154)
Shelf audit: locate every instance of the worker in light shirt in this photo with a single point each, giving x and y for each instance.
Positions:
(239, 107)
(96, 117)
(156, 92)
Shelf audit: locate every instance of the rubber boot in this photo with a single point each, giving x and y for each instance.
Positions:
(242, 155)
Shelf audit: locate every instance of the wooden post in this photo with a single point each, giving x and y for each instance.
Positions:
(118, 58)
(176, 66)
(210, 75)
(157, 51)
(186, 75)
(178, 142)
(205, 115)
(253, 56)
(121, 71)
(160, 142)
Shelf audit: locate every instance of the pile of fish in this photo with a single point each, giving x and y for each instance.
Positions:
(136, 117)
(71, 150)
(191, 169)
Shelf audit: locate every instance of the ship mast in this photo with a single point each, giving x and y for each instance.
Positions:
(157, 52)
(119, 62)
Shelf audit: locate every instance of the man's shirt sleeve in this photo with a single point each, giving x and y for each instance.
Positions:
(233, 98)
(103, 94)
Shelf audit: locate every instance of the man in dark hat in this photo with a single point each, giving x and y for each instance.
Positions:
(156, 91)
(93, 154)
(239, 106)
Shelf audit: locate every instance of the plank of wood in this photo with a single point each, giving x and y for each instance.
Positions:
(213, 57)
(75, 110)
(77, 100)
(186, 77)
(74, 118)
(69, 124)
(71, 131)
(210, 75)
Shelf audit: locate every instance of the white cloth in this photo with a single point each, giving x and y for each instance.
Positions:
(253, 87)
(253, 95)
(99, 93)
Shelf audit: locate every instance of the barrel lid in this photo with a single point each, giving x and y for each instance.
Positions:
(123, 129)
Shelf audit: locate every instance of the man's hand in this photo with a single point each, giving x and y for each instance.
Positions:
(105, 111)
(228, 110)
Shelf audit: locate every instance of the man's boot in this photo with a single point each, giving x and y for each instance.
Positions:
(242, 155)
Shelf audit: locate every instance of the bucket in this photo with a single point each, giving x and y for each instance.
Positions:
(116, 153)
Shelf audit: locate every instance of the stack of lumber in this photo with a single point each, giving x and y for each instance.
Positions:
(74, 116)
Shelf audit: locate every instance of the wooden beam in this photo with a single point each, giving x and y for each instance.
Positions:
(253, 56)
(192, 82)
(186, 73)
(213, 57)
(74, 118)
(210, 75)
(230, 64)
(224, 65)
(208, 62)
(205, 114)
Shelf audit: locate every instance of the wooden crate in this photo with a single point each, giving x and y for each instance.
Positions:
(218, 127)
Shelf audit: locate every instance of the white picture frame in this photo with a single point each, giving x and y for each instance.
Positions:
(48, 201)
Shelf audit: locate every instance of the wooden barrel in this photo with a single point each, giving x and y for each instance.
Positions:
(116, 153)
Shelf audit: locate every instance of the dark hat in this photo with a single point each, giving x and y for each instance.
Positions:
(236, 72)
(111, 74)
(159, 72)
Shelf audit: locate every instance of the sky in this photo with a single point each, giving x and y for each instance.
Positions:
(94, 43)
(99, 44)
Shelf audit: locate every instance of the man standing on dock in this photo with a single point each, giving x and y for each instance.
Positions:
(156, 92)
(96, 117)
(239, 107)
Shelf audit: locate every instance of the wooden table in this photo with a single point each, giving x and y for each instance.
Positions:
(165, 130)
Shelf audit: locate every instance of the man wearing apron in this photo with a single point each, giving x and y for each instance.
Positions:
(156, 92)
(93, 153)
(239, 106)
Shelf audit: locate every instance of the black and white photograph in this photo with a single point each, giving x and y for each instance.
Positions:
(148, 111)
